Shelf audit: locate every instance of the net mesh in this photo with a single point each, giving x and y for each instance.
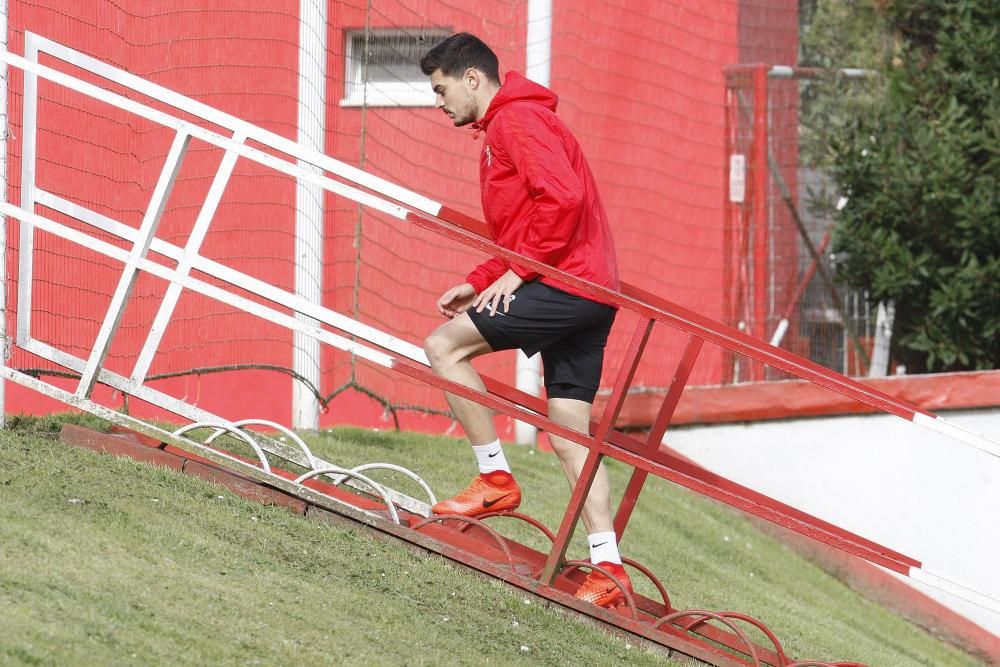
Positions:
(642, 84)
(782, 277)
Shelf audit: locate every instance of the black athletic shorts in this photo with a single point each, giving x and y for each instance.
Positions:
(570, 332)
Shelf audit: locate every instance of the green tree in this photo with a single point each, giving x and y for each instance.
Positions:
(921, 165)
(838, 34)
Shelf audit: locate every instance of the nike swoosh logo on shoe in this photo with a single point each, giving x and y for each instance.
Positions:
(491, 503)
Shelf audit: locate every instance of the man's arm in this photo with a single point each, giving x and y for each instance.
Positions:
(487, 273)
(539, 155)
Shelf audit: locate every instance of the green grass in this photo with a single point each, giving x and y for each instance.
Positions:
(104, 561)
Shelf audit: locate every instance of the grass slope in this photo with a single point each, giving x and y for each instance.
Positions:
(104, 561)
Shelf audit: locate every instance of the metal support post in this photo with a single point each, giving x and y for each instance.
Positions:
(586, 477)
(670, 401)
(309, 208)
(528, 374)
(761, 214)
(4, 131)
(186, 262)
(147, 230)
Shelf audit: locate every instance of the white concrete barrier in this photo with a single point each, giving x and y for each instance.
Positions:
(888, 480)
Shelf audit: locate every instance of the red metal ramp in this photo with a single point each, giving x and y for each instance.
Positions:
(721, 638)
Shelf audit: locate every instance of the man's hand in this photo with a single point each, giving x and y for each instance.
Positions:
(456, 300)
(499, 291)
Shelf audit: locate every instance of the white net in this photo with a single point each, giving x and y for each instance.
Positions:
(643, 90)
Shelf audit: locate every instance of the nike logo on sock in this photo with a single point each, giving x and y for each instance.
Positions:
(491, 455)
(594, 546)
(491, 503)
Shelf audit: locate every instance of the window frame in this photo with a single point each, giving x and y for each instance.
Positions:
(409, 93)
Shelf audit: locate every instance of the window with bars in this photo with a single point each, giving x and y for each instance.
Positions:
(383, 67)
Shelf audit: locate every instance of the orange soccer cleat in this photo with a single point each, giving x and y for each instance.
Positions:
(489, 492)
(603, 592)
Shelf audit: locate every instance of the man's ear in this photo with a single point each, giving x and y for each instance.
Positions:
(473, 78)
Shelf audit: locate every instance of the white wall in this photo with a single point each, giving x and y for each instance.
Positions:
(901, 485)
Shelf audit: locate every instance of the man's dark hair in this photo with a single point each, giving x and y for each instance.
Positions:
(458, 53)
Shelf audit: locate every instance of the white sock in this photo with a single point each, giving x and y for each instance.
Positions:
(490, 457)
(604, 548)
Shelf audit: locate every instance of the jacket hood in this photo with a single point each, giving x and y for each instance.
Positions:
(516, 88)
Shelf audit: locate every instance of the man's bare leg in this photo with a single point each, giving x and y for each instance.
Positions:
(576, 415)
(450, 349)
(601, 537)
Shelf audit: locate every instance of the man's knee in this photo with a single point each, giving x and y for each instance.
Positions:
(454, 342)
(439, 348)
(567, 449)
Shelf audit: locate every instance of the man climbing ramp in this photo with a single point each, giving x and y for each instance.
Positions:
(540, 200)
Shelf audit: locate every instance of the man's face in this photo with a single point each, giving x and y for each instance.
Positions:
(455, 98)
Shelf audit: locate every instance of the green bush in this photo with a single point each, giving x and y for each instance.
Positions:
(921, 166)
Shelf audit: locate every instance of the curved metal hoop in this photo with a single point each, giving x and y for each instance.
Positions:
(229, 429)
(347, 473)
(294, 437)
(669, 618)
(586, 564)
(653, 578)
(396, 468)
(518, 515)
(752, 621)
(437, 518)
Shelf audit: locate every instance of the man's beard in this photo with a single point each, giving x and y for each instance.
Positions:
(462, 118)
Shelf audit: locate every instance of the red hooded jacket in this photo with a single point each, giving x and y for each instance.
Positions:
(539, 195)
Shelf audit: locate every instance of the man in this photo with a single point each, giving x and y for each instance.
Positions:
(540, 200)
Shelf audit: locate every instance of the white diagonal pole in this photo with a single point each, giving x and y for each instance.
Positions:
(147, 230)
(186, 262)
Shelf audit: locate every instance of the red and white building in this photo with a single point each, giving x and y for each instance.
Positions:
(644, 85)
(641, 83)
